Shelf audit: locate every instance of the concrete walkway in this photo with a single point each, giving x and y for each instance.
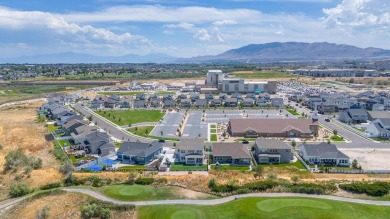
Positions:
(225, 199)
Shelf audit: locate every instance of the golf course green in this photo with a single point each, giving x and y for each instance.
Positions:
(291, 208)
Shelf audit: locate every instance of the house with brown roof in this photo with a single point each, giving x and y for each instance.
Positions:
(276, 128)
(234, 153)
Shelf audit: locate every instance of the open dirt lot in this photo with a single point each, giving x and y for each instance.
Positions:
(18, 130)
(372, 159)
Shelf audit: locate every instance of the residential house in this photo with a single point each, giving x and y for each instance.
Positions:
(262, 102)
(139, 104)
(167, 97)
(209, 96)
(154, 103)
(373, 115)
(379, 128)
(93, 142)
(96, 104)
(138, 152)
(70, 126)
(223, 96)
(265, 95)
(190, 151)
(238, 96)
(67, 116)
(251, 95)
(185, 103)
(323, 153)
(231, 102)
(200, 103)
(169, 103)
(248, 102)
(194, 97)
(378, 107)
(181, 97)
(272, 151)
(277, 102)
(326, 107)
(295, 128)
(140, 97)
(215, 103)
(233, 153)
(353, 116)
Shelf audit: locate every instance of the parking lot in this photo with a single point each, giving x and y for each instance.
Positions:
(194, 126)
(169, 125)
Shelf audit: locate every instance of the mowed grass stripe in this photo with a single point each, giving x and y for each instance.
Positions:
(260, 208)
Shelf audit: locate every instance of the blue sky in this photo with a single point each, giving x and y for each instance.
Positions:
(185, 28)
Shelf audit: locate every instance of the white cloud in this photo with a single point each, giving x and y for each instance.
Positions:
(224, 22)
(163, 14)
(183, 25)
(359, 14)
(217, 34)
(202, 35)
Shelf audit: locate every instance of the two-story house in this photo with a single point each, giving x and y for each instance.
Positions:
(272, 151)
(190, 151)
(353, 116)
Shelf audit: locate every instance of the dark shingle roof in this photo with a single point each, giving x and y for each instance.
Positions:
(235, 150)
(271, 144)
(323, 151)
(139, 149)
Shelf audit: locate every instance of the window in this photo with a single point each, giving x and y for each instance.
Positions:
(236, 87)
(190, 151)
(199, 151)
(183, 152)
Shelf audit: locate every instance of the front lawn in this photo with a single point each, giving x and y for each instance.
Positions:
(229, 167)
(128, 117)
(186, 167)
(143, 131)
(52, 127)
(292, 208)
(213, 131)
(337, 138)
(213, 126)
(297, 164)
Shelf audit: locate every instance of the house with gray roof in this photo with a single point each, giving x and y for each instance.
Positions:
(248, 102)
(185, 103)
(231, 102)
(140, 104)
(234, 153)
(194, 97)
(169, 103)
(139, 152)
(190, 151)
(272, 151)
(353, 116)
(373, 115)
(200, 103)
(323, 153)
(379, 128)
(215, 103)
(96, 104)
(277, 102)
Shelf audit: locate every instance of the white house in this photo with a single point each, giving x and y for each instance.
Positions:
(379, 128)
(190, 151)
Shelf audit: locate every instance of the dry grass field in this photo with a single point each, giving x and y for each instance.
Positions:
(18, 130)
(65, 205)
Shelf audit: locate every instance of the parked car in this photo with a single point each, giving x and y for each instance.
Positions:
(327, 120)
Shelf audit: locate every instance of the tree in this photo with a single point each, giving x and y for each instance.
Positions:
(335, 132)
(259, 171)
(131, 178)
(18, 190)
(293, 143)
(90, 118)
(245, 135)
(355, 164)
(224, 134)
(161, 133)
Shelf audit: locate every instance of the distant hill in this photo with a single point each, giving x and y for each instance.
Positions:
(291, 51)
(70, 57)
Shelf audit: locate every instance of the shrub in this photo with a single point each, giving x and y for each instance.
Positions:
(144, 181)
(42, 214)
(311, 188)
(50, 186)
(35, 163)
(161, 180)
(261, 185)
(212, 182)
(96, 181)
(66, 168)
(1, 147)
(90, 211)
(371, 189)
(14, 160)
(224, 188)
(18, 190)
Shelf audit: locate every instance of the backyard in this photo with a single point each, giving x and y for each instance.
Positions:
(229, 167)
(185, 167)
(128, 117)
(267, 208)
(297, 164)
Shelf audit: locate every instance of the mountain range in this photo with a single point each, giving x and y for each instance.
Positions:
(291, 51)
(276, 51)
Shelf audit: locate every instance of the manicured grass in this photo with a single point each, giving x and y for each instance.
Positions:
(213, 137)
(143, 131)
(76, 160)
(143, 193)
(117, 144)
(297, 164)
(64, 143)
(52, 127)
(127, 117)
(379, 139)
(337, 138)
(185, 167)
(267, 208)
(213, 131)
(213, 126)
(293, 112)
(229, 167)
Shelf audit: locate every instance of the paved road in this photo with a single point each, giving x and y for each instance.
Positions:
(356, 140)
(226, 199)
